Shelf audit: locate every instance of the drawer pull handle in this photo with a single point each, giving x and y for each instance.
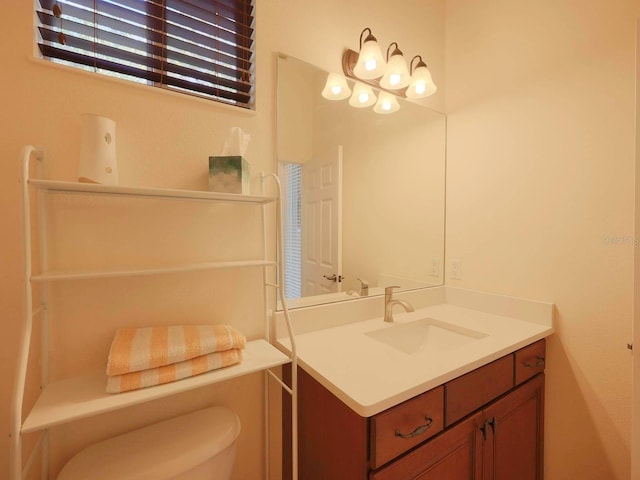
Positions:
(484, 428)
(418, 431)
(538, 363)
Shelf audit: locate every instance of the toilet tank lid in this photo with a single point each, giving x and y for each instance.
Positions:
(159, 451)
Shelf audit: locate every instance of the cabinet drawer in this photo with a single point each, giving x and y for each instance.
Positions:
(530, 361)
(404, 426)
(469, 392)
(451, 455)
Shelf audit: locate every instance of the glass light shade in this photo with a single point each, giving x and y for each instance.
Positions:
(397, 74)
(421, 83)
(370, 62)
(387, 103)
(336, 87)
(362, 96)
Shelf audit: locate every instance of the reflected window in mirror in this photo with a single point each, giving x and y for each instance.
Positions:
(291, 178)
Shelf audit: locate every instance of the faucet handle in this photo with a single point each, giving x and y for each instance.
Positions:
(364, 287)
(389, 290)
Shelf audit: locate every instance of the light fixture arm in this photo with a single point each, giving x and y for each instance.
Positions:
(420, 64)
(396, 51)
(369, 37)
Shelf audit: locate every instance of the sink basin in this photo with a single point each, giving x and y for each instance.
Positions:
(425, 334)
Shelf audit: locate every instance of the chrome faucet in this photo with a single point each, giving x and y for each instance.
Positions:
(389, 302)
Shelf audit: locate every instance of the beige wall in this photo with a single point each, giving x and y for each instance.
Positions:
(163, 139)
(294, 128)
(540, 98)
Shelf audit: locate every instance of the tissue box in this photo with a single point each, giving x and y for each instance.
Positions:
(229, 174)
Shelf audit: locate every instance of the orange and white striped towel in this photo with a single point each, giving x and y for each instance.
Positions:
(170, 373)
(136, 349)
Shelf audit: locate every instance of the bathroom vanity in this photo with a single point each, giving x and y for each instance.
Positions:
(487, 424)
(459, 397)
(451, 391)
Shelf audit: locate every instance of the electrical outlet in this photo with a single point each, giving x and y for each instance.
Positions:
(435, 267)
(456, 269)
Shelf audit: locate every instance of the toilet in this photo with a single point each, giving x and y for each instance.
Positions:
(197, 446)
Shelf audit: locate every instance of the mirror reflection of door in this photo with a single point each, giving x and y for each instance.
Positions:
(312, 220)
(322, 225)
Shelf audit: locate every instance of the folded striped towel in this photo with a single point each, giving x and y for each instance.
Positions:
(136, 349)
(170, 373)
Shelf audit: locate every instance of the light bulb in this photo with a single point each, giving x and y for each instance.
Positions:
(336, 87)
(363, 96)
(370, 62)
(387, 103)
(421, 85)
(397, 74)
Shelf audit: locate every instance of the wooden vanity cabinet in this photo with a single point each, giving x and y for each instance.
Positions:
(503, 441)
(500, 438)
(332, 438)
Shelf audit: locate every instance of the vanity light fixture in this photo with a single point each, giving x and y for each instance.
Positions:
(393, 78)
(387, 103)
(396, 75)
(336, 87)
(362, 96)
(413, 82)
(370, 63)
(421, 85)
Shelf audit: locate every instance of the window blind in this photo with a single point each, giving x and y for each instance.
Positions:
(203, 47)
(292, 230)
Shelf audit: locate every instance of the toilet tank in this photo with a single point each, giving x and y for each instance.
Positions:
(198, 446)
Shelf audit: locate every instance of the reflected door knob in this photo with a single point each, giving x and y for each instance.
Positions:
(334, 277)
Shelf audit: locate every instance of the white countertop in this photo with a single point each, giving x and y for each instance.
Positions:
(370, 376)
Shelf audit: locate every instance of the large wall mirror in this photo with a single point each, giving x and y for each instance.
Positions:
(363, 193)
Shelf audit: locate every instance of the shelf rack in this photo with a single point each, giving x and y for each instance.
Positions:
(84, 396)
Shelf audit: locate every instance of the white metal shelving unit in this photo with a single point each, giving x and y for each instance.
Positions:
(84, 396)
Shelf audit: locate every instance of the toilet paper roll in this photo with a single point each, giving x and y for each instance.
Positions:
(98, 162)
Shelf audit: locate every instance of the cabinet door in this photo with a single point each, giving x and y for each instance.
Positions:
(455, 454)
(513, 427)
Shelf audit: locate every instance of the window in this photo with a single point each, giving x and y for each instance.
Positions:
(291, 177)
(203, 47)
